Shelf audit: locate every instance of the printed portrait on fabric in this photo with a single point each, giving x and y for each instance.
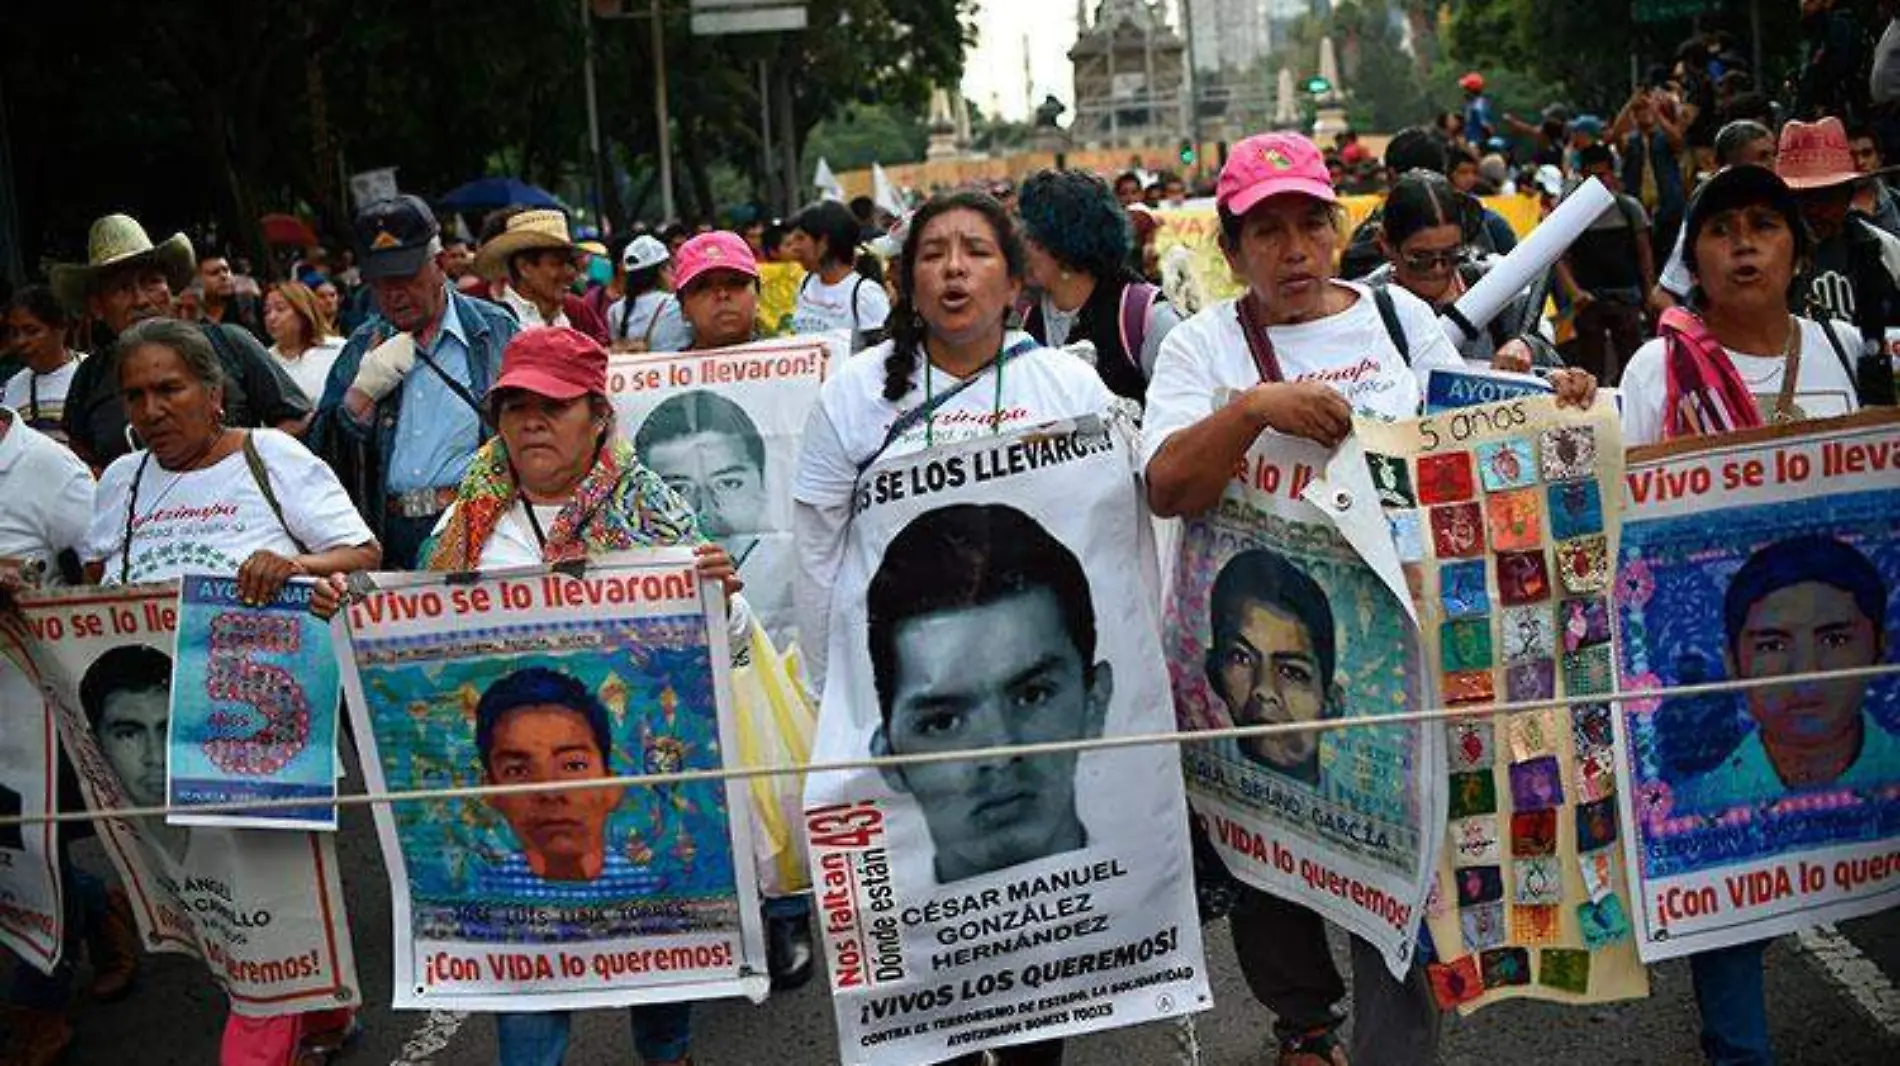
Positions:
(602, 701)
(1791, 589)
(982, 633)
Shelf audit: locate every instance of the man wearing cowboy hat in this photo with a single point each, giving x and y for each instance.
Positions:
(1853, 273)
(127, 279)
(532, 261)
(402, 415)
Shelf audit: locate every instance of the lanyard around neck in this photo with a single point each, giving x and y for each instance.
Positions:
(996, 401)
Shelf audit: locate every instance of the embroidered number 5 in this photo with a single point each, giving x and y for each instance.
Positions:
(273, 692)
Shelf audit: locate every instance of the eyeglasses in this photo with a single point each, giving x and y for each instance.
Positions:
(1420, 262)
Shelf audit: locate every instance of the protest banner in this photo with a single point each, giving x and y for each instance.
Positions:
(1758, 555)
(263, 908)
(1499, 517)
(253, 707)
(1283, 611)
(566, 899)
(32, 923)
(999, 592)
(722, 428)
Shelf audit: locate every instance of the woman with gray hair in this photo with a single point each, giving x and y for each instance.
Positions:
(255, 503)
(202, 497)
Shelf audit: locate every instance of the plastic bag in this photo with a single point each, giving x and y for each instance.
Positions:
(776, 722)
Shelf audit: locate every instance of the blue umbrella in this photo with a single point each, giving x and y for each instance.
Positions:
(486, 194)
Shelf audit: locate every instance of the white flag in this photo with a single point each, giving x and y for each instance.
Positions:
(827, 182)
(884, 193)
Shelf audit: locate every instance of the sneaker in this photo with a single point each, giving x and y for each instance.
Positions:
(788, 954)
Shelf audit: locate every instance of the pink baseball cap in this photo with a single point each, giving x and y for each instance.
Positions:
(718, 250)
(1268, 164)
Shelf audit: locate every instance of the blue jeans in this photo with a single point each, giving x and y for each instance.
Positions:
(662, 1032)
(85, 907)
(1728, 993)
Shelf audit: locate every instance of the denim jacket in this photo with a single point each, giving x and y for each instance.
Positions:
(360, 453)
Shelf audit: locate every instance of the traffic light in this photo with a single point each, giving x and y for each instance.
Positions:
(1316, 85)
(1187, 153)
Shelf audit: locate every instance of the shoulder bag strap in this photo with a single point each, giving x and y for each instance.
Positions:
(909, 419)
(1137, 311)
(1389, 314)
(1259, 345)
(131, 507)
(652, 323)
(855, 289)
(261, 474)
(1834, 342)
(459, 389)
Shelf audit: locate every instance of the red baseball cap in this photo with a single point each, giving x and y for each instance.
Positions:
(1268, 164)
(553, 361)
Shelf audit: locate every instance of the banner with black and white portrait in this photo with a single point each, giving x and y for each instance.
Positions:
(997, 593)
(31, 920)
(722, 428)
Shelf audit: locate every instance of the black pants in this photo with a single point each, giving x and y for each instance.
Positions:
(1608, 333)
(402, 539)
(1283, 954)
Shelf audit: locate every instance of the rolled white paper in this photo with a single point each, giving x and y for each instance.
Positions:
(1545, 245)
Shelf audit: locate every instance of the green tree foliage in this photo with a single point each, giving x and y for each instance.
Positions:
(863, 134)
(204, 114)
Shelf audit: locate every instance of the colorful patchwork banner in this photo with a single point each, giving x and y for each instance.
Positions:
(1748, 557)
(1499, 514)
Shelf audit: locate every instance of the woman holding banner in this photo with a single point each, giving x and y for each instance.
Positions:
(1298, 354)
(557, 485)
(1734, 358)
(202, 497)
(951, 371)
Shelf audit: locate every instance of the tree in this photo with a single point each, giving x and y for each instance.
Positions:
(862, 134)
(204, 114)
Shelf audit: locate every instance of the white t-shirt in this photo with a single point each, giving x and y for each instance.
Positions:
(311, 370)
(822, 307)
(654, 317)
(45, 501)
(40, 399)
(852, 416)
(1824, 387)
(209, 521)
(1206, 359)
(852, 419)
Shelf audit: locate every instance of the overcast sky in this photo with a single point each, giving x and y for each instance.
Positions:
(993, 70)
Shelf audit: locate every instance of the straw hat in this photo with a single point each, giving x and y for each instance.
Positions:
(116, 241)
(528, 230)
(1815, 155)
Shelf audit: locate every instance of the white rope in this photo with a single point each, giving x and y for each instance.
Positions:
(1054, 747)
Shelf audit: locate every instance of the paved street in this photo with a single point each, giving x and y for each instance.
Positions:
(1824, 1003)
